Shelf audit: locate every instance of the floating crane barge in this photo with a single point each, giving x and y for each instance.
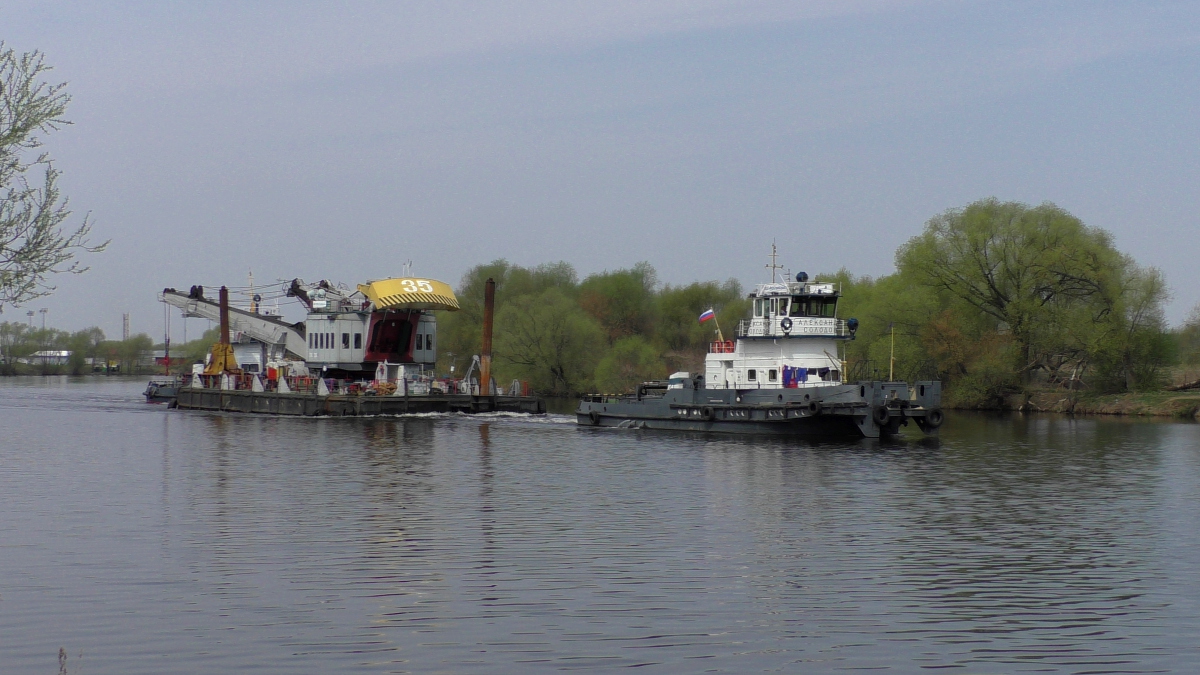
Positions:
(368, 352)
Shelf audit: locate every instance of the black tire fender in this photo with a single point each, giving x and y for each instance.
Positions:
(881, 415)
(706, 412)
(934, 418)
(595, 418)
(814, 407)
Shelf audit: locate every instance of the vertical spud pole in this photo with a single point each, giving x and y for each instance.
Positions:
(485, 359)
(224, 300)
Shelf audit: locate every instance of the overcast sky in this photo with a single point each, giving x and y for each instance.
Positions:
(340, 140)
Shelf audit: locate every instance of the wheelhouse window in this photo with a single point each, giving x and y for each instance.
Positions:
(358, 340)
(822, 307)
(345, 341)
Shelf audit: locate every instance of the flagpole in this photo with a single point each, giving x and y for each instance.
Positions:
(892, 366)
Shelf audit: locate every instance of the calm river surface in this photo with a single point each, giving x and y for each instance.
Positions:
(143, 540)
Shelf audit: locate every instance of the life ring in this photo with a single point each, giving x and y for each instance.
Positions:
(786, 324)
(706, 412)
(595, 418)
(881, 415)
(934, 418)
(729, 346)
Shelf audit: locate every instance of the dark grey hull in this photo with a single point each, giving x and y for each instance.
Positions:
(863, 409)
(811, 427)
(313, 405)
(161, 391)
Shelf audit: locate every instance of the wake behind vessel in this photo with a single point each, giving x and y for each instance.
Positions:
(782, 374)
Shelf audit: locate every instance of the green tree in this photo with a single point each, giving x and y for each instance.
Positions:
(1187, 339)
(15, 343)
(683, 338)
(133, 351)
(198, 349)
(1026, 267)
(622, 301)
(459, 333)
(1132, 347)
(84, 345)
(631, 361)
(549, 341)
(33, 243)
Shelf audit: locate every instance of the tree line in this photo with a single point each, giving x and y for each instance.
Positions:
(90, 351)
(993, 298)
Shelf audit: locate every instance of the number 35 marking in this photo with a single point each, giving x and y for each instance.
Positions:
(414, 285)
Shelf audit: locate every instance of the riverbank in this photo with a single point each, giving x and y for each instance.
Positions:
(1175, 404)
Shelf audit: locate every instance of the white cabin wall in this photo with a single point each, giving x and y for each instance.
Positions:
(335, 341)
(731, 370)
(426, 351)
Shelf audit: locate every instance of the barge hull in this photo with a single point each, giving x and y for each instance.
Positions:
(333, 405)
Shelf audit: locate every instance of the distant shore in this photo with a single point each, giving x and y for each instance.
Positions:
(1173, 404)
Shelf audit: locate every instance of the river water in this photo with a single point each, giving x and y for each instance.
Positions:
(144, 540)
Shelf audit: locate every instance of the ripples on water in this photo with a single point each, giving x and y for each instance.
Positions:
(143, 540)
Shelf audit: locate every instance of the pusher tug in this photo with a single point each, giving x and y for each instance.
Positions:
(780, 375)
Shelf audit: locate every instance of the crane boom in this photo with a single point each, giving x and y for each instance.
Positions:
(267, 329)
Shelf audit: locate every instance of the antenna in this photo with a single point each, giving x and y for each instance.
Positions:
(773, 267)
(254, 297)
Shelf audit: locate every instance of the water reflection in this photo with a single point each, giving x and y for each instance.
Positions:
(486, 544)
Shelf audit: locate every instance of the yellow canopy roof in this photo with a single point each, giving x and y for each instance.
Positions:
(410, 293)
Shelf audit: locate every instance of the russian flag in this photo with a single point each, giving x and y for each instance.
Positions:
(708, 314)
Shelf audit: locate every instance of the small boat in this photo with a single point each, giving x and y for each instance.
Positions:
(780, 375)
(162, 389)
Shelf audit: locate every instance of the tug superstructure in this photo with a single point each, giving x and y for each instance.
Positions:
(782, 373)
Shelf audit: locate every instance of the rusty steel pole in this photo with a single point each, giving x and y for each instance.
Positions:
(485, 359)
(224, 299)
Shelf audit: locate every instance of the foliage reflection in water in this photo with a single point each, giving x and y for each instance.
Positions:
(147, 540)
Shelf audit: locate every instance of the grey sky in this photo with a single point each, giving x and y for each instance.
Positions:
(340, 140)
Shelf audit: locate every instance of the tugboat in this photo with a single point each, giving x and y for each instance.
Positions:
(780, 375)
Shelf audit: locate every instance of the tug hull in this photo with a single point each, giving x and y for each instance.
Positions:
(863, 409)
